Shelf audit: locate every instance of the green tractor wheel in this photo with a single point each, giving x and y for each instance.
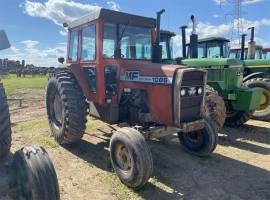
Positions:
(262, 113)
(237, 118)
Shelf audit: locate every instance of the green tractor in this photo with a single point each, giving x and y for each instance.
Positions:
(225, 75)
(256, 62)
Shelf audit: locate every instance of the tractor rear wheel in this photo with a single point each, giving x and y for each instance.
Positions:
(66, 108)
(262, 113)
(131, 157)
(236, 118)
(35, 176)
(200, 143)
(215, 108)
(5, 125)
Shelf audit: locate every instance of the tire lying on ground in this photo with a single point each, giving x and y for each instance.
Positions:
(263, 113)
(5, 125)
(200, 143)
(35, 176)
(131, 157)
(215, 108)
(66, 108)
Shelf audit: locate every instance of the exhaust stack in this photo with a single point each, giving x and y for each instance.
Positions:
(157, 49)
(184, 42)
(193, 39)
(242, 57)
(251, 44)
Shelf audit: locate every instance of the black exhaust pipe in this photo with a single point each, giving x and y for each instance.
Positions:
(252, 34)
(193, 40)
(184, 42)
(157, 49)
(243, 41)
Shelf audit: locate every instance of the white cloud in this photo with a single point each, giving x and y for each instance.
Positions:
(14, 49)
(113, 5)
(63, 32)
(60, 11)
(216, 16)
(206, 29)
(32, 54)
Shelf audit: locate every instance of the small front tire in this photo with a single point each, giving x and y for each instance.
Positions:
(200, 143)
(131, 157)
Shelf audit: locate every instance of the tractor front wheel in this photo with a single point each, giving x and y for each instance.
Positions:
(131, 157)
(200, 143)
(34, 176)
(263, 112)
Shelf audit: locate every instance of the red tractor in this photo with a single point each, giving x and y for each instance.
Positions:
(114, 69)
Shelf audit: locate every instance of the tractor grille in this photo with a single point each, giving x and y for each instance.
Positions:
(188, 104)
(215, 75)
(191, 105)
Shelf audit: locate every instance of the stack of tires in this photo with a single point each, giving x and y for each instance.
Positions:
(29, 173)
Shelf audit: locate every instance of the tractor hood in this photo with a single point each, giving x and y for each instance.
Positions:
(207, 62)
(257, 63)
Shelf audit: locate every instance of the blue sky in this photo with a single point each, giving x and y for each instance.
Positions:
(35, 32)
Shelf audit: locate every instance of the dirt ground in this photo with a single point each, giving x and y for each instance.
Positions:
(238, 169)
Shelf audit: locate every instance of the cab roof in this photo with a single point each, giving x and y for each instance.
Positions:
(114, 17)
(209, 39)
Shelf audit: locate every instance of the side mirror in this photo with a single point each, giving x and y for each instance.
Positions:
(61, 60)
(4, 43)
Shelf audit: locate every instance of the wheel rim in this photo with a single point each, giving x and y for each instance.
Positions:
(264, 101)
(57, 110)
(123, 158)
(194, 139)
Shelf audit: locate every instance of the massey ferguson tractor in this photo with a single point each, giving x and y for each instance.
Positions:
(114, 69)
(225, 75)
(29, 173)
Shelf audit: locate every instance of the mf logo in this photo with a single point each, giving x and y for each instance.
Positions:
(132, 75)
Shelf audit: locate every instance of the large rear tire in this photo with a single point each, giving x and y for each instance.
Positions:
(215, 108)
(5, 125)
(35, 176)
(263, 113)
(131, 157)
(66, 108)
(200, 143)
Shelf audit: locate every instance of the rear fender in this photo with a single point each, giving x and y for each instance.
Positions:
(253, 75)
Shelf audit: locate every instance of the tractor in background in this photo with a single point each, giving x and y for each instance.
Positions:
(114, 70)
(225, 75)
(29, 173)
(256, 69)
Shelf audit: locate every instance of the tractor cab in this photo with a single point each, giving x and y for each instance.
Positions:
(236, 52)
(212, 47)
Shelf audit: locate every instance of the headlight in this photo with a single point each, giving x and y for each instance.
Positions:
(200, 91)
(183, 92)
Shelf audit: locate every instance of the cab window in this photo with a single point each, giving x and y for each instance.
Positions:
(73, 46)
(109, 40)
(88, 52)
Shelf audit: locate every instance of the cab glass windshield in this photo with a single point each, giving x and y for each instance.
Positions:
(127, 42)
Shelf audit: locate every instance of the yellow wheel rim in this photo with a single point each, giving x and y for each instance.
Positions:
(264, 101)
